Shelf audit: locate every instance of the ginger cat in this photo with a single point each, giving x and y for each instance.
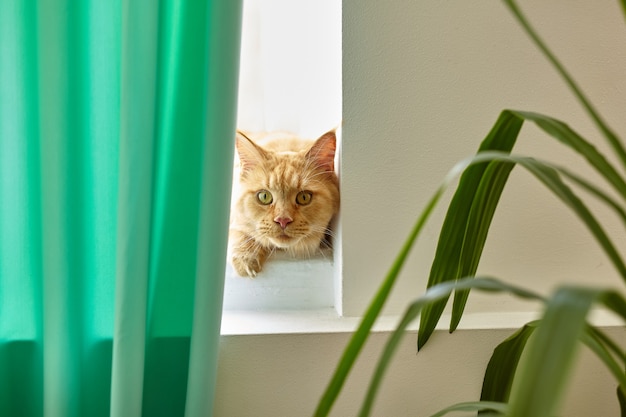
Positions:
(285, 199)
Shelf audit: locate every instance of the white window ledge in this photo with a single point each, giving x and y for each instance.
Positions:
(297, 297)
(283, 284)
(237, 323)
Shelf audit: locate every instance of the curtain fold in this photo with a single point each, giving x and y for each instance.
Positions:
(116, 126)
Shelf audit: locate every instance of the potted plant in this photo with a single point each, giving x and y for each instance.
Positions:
(550, 352)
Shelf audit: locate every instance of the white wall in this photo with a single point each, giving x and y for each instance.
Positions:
(423, 82)
(290, 76)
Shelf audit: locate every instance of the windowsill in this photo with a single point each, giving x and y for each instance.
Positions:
(284, 284)
(239, 323)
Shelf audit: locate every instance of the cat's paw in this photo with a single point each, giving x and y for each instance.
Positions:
(246, 266)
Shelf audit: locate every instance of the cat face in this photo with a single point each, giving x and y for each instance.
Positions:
(289, 192)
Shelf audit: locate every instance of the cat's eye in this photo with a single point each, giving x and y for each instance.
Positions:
(264, 197)
(304, 197)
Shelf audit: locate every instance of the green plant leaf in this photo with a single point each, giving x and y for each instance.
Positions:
(566, 135)
(600, 347)
(472, 247)
(503, 365)
(485, 202)
(481, 213)
(359, 337)
(551, 352)
(608, 133)
(609, 352)
(611, 347)
(596, 192)
(431, 296)
(486, 183)
(615, 302)
(622, 401)
(549, 176)
(446, 264)
(480, 406)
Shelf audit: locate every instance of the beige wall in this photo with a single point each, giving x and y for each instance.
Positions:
(423, 81)
(284, 376)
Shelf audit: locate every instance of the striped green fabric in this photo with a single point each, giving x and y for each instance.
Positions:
(117, 123)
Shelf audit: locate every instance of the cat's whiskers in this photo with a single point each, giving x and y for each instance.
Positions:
(311, 176)
(327, 231)
(273, 250)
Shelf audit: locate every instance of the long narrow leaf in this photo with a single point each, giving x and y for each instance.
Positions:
(622, 401)
(600, 349)
(503, 365)
(431, 296)
(553, 347)
(615, 302)
(604, 347)
(551, 352)
(566, 135)
(463, 235)
(360, 335)
(481, 213)
(446, 263)
(596, 192)
(612, 347)
(549, 176)
(542, 171)
(611, 137)
(508, 121)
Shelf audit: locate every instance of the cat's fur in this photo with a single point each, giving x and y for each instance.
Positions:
(284, 198)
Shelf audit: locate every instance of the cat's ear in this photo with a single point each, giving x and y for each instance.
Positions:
(322, 153)
(250, 154)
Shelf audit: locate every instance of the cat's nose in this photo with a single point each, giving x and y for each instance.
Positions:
(283, 221)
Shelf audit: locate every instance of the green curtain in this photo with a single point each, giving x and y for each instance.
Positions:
(117, 122)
